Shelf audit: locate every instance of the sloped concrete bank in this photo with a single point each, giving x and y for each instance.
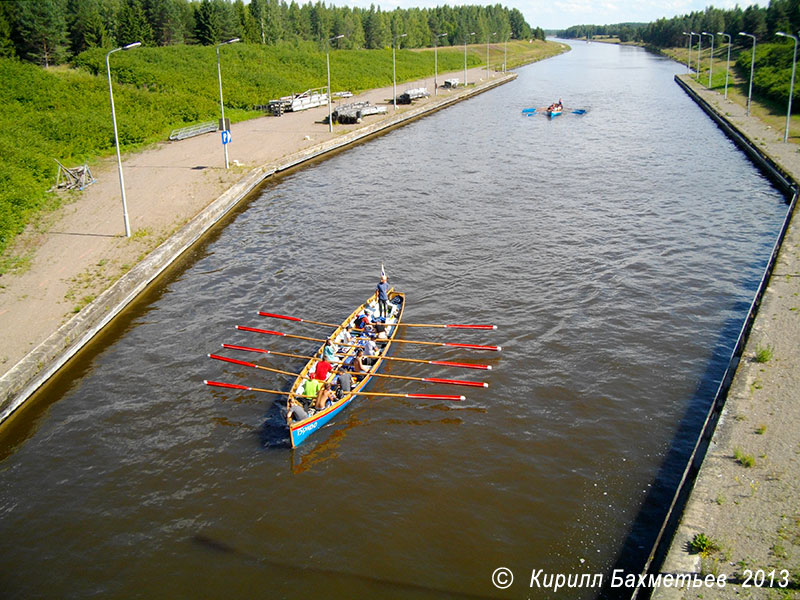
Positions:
(21, 381)
(748, 513)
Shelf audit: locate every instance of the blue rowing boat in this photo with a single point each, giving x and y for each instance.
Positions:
(299, 431)
(529, 112)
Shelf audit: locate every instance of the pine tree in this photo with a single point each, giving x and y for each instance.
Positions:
(250, 29)
(207, 23)
(6, 43)
(41, 30)
(258, 10)
(376, 31)
(165, 20)
(133, 25)
(86, 29)
(274, 26)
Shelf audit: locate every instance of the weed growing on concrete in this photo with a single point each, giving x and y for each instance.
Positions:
(16, 264)
(761, 429)
(764, 354)
(746, 460)
(703, 545)
(83, 302)
(779, 551)
(140, 233)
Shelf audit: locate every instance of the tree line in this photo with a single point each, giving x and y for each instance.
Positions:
(48, 32)
(763, 22)
(773, 54)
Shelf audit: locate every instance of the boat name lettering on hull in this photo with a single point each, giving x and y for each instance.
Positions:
(307, 428)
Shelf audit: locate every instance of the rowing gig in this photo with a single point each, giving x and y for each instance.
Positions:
(299, 431)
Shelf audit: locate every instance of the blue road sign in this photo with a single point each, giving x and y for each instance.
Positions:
(226, 137)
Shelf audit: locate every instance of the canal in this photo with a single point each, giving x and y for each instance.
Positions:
(617, 251)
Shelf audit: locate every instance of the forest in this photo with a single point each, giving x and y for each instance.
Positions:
(50, 32)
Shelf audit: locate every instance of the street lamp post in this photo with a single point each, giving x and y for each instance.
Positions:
(436, 62)
(791, 85)
(465, 57)
(116, 138)
(710, 58)
(328, 64)
(505, 53)
(728, 63)
(689, 51)
(487, 54)
(699, 53)
(394, 73)
(752, 64)
(221, 104)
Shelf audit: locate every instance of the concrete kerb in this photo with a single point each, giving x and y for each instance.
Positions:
(41, 363)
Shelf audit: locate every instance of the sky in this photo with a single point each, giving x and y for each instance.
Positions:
(560, 14)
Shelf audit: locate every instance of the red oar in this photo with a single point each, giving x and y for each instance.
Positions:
(303, 337)
(236, 386)
(406, 377)
(249, 364)
(440, 363)
(448, 325)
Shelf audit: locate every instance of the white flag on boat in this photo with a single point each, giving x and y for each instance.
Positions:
(383, 271)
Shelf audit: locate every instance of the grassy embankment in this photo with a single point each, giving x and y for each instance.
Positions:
(63, 112)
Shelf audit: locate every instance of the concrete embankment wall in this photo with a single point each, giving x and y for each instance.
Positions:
(21, 381)
(663, 557)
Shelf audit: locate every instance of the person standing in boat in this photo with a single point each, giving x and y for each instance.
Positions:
(383, 295)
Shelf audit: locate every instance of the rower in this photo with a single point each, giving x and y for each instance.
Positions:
(311, 388)
(369, 348)
(359, 368)
(295, 411)
(325, 397)
(329, 352)
(344, 381)
(321, 370)
(345, 338)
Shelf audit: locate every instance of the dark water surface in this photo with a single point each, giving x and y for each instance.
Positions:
(617, 251)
